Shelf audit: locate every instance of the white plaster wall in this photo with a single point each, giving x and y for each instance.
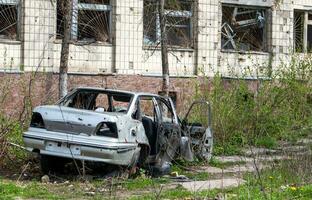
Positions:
(38, 33)
(86, 59)
(128, 55)
(10, 56)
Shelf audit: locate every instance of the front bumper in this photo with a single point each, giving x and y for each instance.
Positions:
(81, 147)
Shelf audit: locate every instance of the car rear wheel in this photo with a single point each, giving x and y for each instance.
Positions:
(52, 164)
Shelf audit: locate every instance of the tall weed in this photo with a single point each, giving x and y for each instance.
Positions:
(277, 108)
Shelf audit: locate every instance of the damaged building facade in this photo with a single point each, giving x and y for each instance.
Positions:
(121, 38)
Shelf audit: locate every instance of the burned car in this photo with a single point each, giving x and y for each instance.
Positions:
(115, 127)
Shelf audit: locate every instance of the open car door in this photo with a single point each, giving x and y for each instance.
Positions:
(169, 130)
(200, 136)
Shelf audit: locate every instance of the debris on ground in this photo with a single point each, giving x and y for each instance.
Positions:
(197, 186)
(45, 179)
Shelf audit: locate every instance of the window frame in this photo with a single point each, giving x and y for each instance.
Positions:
(17, 5)
(265, 37)
(77, 6)
(306, 23)
(162, 117)
(186, 14)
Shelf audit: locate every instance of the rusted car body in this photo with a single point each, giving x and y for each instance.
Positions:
(114, 127)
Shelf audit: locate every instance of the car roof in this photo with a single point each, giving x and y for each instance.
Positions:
(118, 91)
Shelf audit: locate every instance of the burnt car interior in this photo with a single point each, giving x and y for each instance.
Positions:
(146, 112)
(151, 119)
(99, 101)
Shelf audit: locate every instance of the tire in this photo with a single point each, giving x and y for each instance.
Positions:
(52, 164)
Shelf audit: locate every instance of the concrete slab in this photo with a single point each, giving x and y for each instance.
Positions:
(233, 159)
(249, 167)
(197, 186)
(258, 158)
(259, 151)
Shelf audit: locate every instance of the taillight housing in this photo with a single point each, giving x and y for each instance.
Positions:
(107, 129)
(37, 121)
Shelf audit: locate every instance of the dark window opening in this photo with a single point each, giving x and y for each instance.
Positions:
(60, 26)
(178, 16)
(91, 21)
(178, 4)
(302, 31)
(243, 28)
(95, 1)
(8, 22)
(93, 26)
(149, 23)
(178, 31)
(298, 31)
(309, 38)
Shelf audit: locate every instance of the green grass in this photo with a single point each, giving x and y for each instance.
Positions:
(227, 149)
(10, 190)
(267, 142)
(143, 182)
(282, 182)
(199, 176)
(217, 163)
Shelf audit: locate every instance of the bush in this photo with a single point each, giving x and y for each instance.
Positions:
(11, 132)
(279, 109)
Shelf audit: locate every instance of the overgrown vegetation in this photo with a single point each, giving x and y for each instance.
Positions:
(262, 111)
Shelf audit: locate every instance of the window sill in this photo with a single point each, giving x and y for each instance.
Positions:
(245, 52)
(175, 48)
(80, 43)
(7, 41)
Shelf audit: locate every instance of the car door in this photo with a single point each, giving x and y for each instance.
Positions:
(146, 113)
(168, 130)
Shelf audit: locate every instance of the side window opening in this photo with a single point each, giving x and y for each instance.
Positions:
(101, 103)
(149, 118)
(167, 115)
(147, 108)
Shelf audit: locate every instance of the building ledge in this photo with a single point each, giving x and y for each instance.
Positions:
(13, 42)
(174, 49)
(245, 52)
(81, 43)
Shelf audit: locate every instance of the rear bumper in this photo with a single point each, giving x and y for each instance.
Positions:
(89, 148)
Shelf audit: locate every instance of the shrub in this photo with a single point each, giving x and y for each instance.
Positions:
(279, 109)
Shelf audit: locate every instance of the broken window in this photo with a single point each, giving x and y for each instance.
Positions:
(99, 101)
(9, 19)
(302, 31)
(244, 28)
(91, 20)
(60, 19)
(165, 111)
(178, 14)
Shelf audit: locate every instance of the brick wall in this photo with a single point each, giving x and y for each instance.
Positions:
(14, 88)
